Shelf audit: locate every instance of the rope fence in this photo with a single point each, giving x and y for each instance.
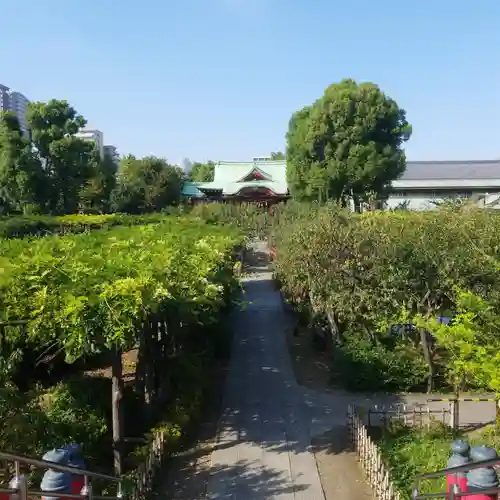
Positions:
(411, 415)
(455, 407)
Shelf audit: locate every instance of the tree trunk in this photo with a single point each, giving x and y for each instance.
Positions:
(116, 406)
(149, 370)
(357, 203)
(428, 359)
(139, 368)
(164, 382)
(334, 328)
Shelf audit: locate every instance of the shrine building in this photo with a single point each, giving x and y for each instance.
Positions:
(261, 180)
(423, 185)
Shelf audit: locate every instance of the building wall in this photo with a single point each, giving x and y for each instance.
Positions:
(4, 98)
(19, 105)
(425, 200)
(15, 102)
(95, 136)
(412, 202)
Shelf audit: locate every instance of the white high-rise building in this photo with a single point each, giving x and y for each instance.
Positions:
(15, 102)
(186, 166)
(95, 136)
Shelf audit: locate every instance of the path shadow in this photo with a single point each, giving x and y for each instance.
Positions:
(245, 479)
(262, 445)
(471, 427)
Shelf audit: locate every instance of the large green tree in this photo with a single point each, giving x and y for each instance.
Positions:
(277, 155)
(146, 185)
(96, 195)
(202, 172)
(68, 161)
(347, 145)
(22, 179)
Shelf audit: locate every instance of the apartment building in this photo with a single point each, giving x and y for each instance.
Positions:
(95, 136)
(15, 102)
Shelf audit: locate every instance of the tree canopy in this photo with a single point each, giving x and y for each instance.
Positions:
(96, 195)
(21, 174)
(202, 172)
(69, 162)
(346, 145)
(54, 171)
(277, 155)
(146, 185)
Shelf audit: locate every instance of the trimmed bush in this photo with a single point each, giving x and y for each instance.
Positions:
(357, 275)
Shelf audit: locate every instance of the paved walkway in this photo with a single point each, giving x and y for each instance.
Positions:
(263, 449)
(268, 421)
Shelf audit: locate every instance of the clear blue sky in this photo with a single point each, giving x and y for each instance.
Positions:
(219, 79)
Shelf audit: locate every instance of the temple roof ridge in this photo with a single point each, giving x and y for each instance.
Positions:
(266, 162)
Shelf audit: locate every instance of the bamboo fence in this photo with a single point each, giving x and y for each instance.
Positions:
(377, 474)
(145, 474)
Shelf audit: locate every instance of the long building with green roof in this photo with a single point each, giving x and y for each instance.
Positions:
(242, 181)
(424, 184)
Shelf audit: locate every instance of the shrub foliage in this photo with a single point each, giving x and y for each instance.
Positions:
(159, 288)
(377, 284)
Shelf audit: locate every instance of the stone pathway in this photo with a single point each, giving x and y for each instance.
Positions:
(274, 434)
(263, 448)
(272, 431)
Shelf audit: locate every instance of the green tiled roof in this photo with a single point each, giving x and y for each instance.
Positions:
(226, 172)
(191, 189)
(228, 177)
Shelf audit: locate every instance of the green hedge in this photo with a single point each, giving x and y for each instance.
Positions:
(75, 410)
(161, 288)
(41, 225)
(410, 451)
(356, 275)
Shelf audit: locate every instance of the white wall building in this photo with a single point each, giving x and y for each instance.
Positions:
(15, 102)
(95, 136)
(427, 183)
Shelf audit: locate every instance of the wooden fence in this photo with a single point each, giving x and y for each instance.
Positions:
(369, 455)
(144, 475)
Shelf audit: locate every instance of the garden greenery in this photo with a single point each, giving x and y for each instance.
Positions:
(375, 286)
(43, 225)
(378, 283)
(160, 288)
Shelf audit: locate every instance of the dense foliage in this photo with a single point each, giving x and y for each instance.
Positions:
(39, 419)
(202, 172)
(159, 288)
(249, 218)
(68, 162)
(89, 292)
(376, 284)
(42, 225)
(54, 171)
(146, 185)
(410, 451)
(347, 145)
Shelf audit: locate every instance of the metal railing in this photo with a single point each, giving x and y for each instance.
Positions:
(18, 487)
(454, 492)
